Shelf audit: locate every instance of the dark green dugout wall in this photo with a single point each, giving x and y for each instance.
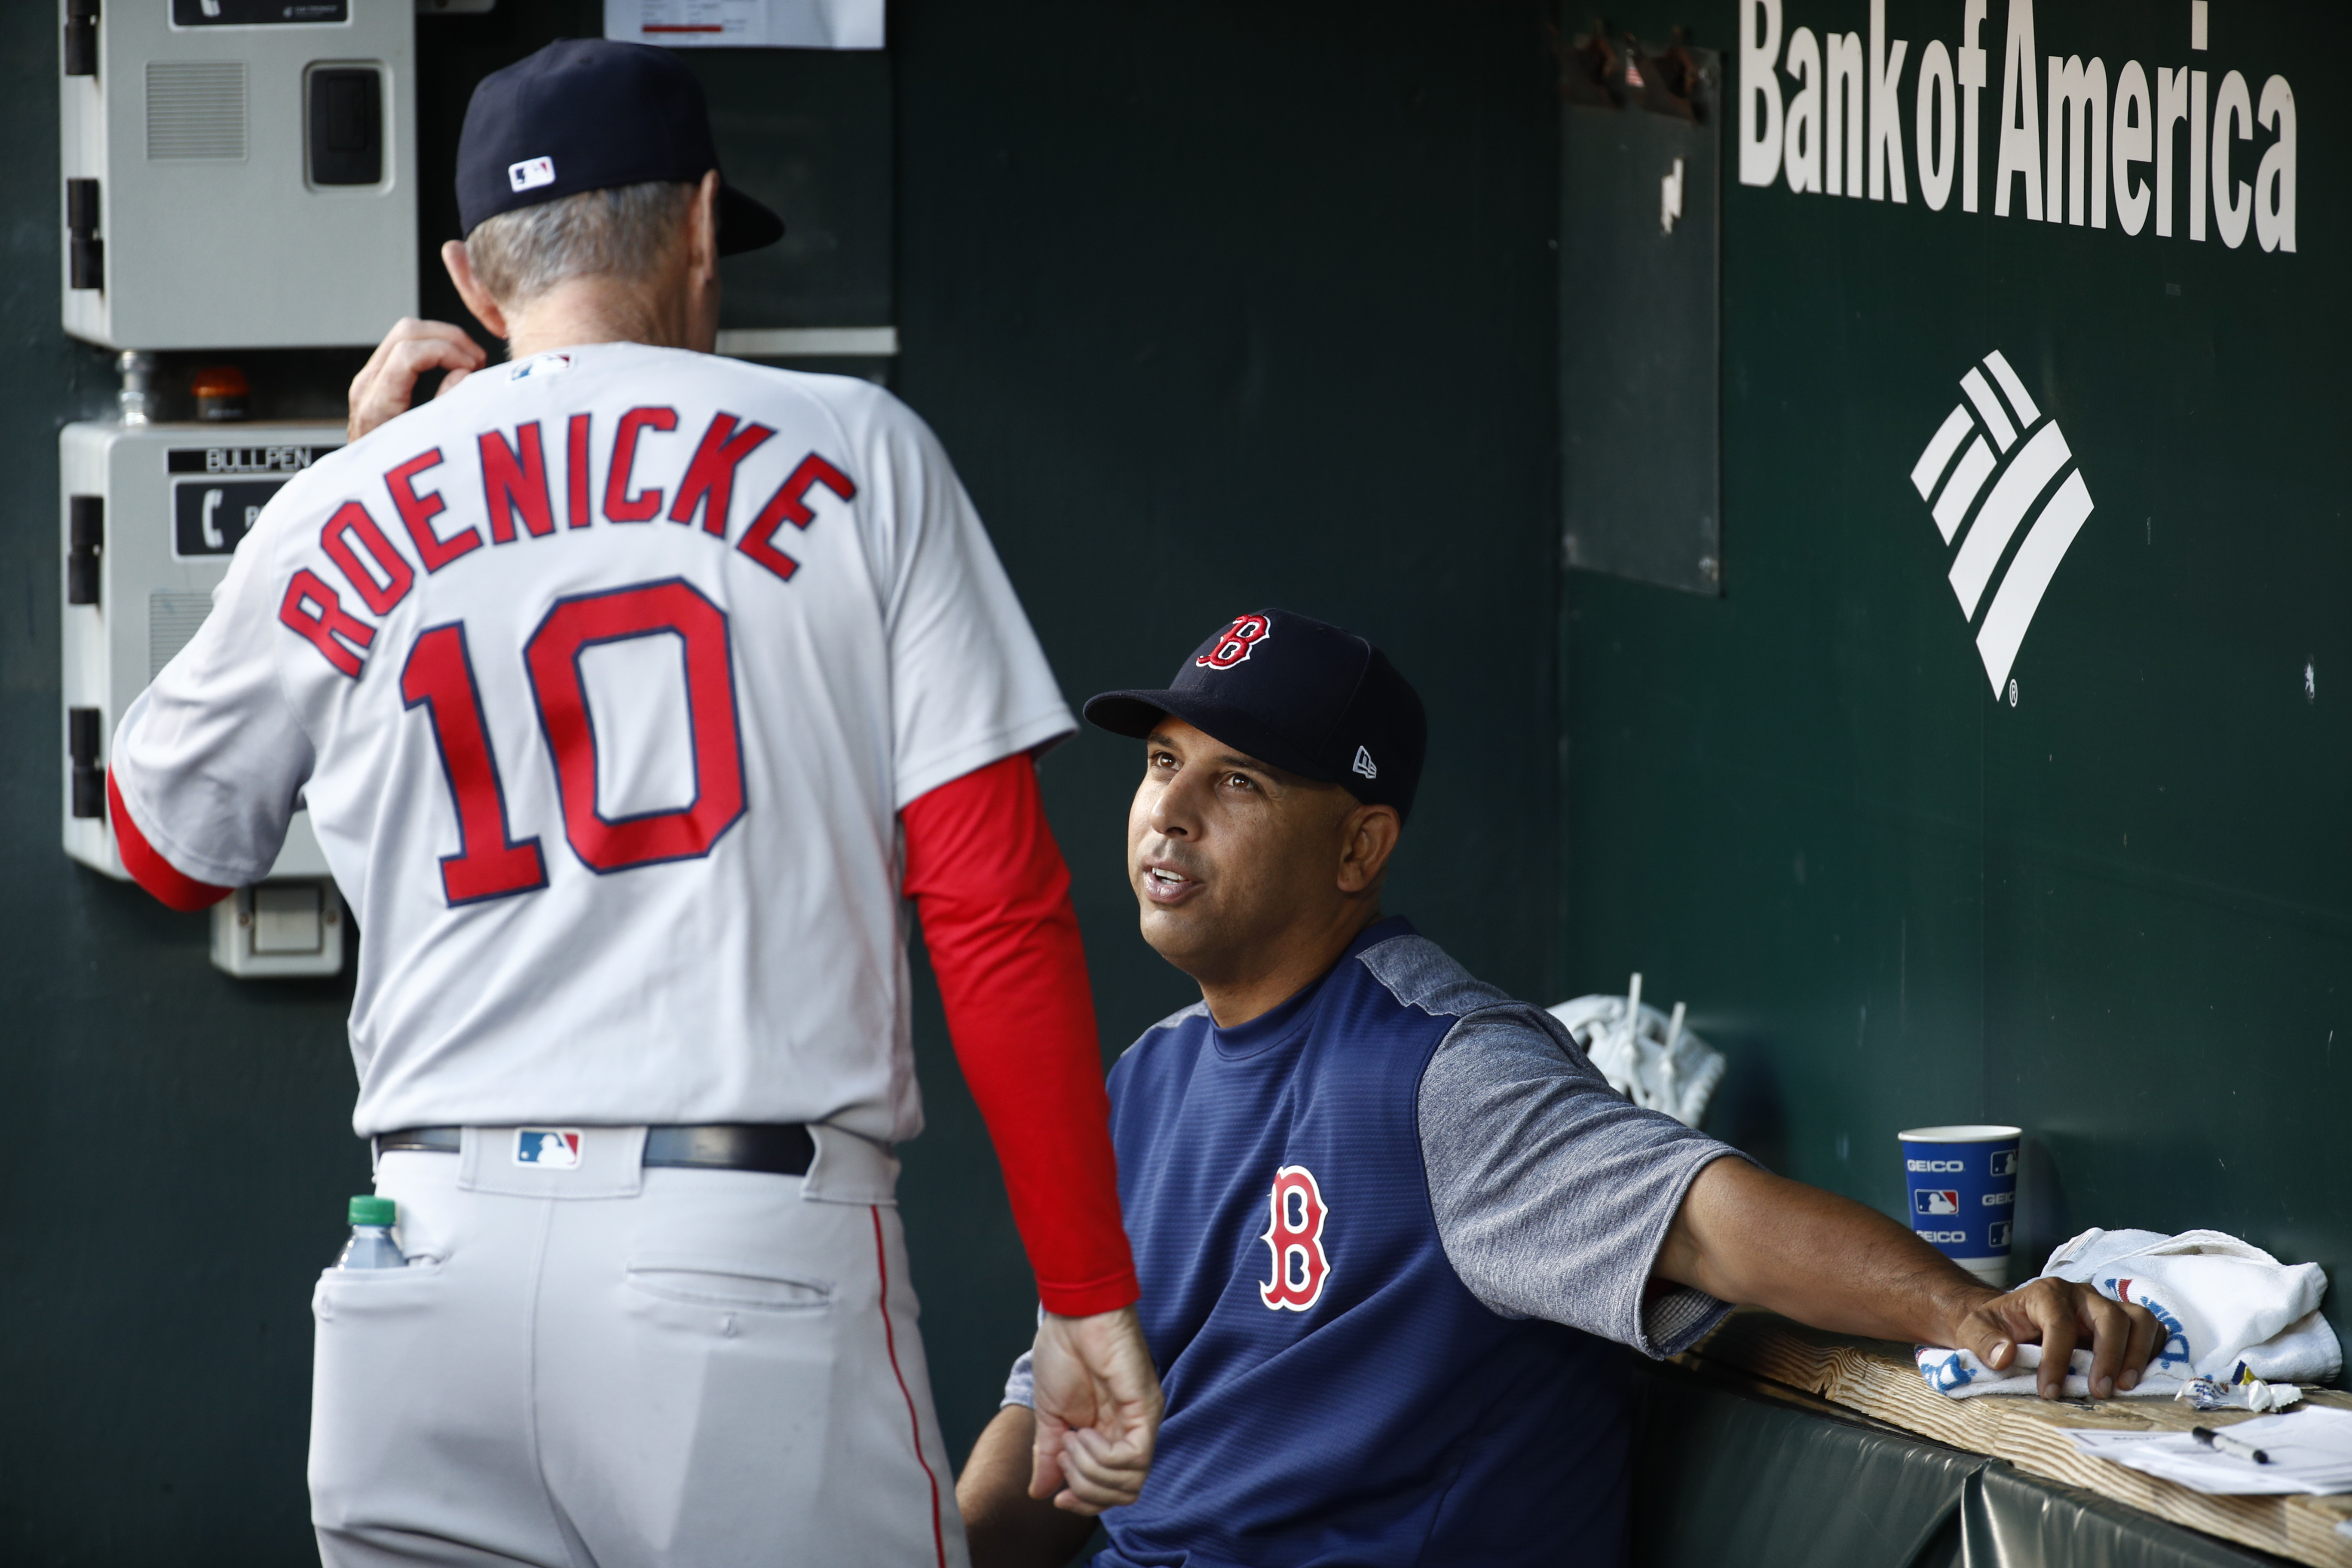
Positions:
(1220, 308)
(2119, 912)
(1233, 304)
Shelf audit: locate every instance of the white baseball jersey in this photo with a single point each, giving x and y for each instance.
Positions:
(604, 678)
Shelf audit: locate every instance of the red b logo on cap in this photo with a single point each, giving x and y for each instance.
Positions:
(1245, 634)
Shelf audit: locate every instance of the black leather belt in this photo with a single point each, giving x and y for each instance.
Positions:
(778, 1149)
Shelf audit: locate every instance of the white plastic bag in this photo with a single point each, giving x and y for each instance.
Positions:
(1646, 1055)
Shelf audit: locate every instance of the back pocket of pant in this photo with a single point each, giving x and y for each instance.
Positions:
(728, 1285)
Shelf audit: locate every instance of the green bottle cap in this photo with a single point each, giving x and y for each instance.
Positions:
(374, 1210)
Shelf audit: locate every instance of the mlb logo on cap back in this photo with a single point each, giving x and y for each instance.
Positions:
(590, 114)
(550, 1148)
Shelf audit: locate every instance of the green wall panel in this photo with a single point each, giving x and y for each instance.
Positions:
(1224, 307)
(2114, 913)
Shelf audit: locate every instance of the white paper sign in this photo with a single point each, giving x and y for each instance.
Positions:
(746, 24)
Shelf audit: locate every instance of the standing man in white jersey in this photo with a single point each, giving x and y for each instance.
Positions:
(630, 690)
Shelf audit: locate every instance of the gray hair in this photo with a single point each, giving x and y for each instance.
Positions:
(623, 232)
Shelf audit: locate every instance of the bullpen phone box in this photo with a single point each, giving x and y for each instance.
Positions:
(149, 515)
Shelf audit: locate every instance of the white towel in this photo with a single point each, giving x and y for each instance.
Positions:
(1962, 1377)
(2223, 1300)
(2231, 1314)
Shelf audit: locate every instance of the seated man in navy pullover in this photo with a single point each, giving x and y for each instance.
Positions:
(1387, 1219)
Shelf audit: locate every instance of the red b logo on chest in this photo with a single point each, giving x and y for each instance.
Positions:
(1294, 1231)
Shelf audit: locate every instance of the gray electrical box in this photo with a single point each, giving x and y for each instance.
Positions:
(151, 515)
(237, 173)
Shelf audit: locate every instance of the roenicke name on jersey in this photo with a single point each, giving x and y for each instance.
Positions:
(524, 473)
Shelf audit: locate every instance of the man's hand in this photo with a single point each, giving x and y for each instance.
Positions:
(2058, 1314)
(1003, 1524)
(387, 384)
(1097, 1411)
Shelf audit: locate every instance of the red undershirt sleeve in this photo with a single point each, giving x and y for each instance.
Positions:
(146, 863)
(994, 897)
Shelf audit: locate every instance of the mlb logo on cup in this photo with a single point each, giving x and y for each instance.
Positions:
(2004, 1162)
(1927, 1201)
(553, 1148)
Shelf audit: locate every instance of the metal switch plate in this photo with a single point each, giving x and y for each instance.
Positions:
(288, 918)
(283, 929)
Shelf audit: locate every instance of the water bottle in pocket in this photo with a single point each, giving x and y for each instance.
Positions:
(370, 1246)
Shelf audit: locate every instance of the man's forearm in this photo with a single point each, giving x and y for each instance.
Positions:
(1007, 1527)
(994, 892)
(1746, 1236)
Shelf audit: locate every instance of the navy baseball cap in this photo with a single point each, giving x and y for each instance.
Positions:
(587, 114)
(1308, 698)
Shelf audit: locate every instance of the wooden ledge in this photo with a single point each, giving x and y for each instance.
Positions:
(1880, 1379)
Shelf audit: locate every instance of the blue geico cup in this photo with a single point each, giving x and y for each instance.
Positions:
(1962, 1187)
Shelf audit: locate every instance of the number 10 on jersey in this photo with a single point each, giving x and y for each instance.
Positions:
(491, 861)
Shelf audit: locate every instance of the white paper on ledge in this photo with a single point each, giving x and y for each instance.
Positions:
(2310, 1452)
(746, 24)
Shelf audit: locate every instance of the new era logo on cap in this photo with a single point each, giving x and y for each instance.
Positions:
(531, 173)
(1364, 763)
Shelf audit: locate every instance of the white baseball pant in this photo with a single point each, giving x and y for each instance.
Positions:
(613, 1367)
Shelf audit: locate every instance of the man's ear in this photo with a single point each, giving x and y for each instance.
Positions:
(1367, 837)
(702, 230)
(470, 289)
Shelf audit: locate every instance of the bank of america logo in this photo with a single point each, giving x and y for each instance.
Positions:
(1993, 467)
